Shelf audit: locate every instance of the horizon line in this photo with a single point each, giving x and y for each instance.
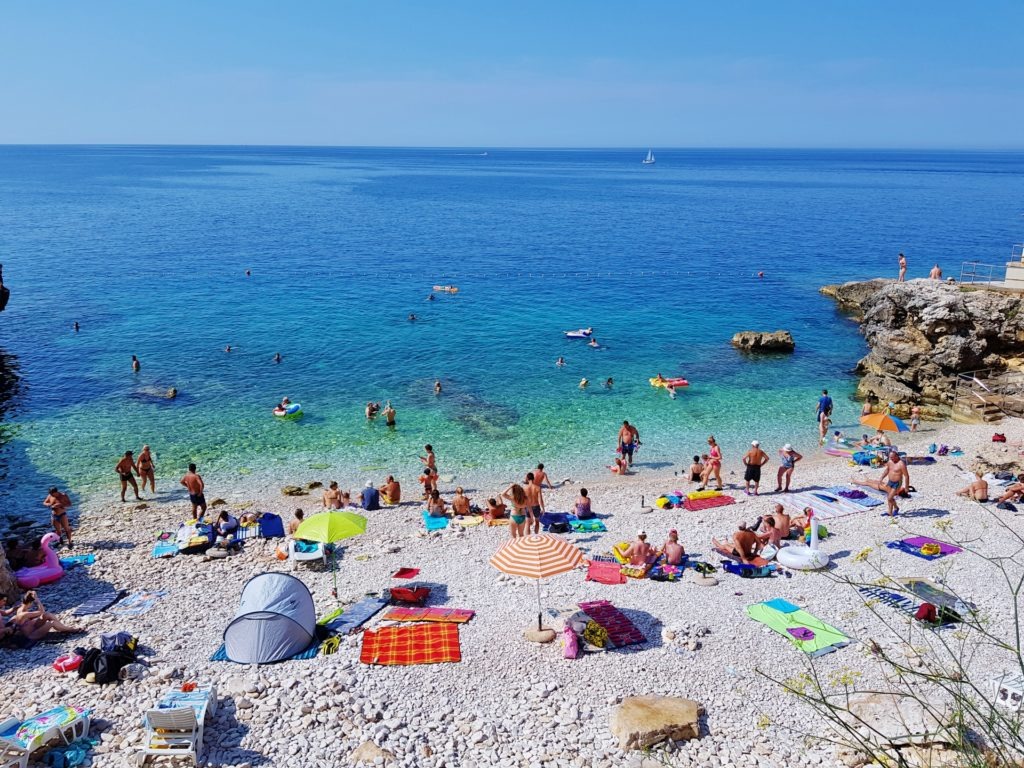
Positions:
(524, 148)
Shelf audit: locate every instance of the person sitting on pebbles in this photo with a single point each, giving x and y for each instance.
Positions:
(435, 506)
(977, 489)
(225, 529)
(672, 549)
(640, 553)
(391, 491)
(460, 502)
(495, 510)
(1014, 493)
(743, 544)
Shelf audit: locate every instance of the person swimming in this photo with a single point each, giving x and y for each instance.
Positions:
(584, 383)
(412, 317)
(608, 383)
(560, 362)
(593, 343)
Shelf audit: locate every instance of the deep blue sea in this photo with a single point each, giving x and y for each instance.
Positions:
(147, 248)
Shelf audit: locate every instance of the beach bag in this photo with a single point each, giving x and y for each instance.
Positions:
(271, 526)
(998, 437)
(926, 612)
(413, 595)
(560, 527)
(119, 642)
(571, 643)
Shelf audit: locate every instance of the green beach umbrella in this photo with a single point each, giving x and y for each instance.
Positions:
(330, 527)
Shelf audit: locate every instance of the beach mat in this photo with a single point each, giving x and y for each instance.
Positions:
(417, 644)
(901, 603)
(138, 603)
(826, 506)
(867, 501)
(244, 532)
(621, 631)
(221, 654)
(697, 505)
(467, 521)
(166, 544)
(604, 572)
(406, 573)
(69, 562)
(757, 562)
(912, 546)
(932, 592)
(498, 521)
(786, 619)
(588, 526)
(356, 615)
(434, 523)
(438, 614)
(99, 603)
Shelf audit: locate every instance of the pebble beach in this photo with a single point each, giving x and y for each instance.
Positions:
(510, 702)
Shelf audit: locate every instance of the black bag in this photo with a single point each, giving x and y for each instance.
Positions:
(119, 642)
(559, 528)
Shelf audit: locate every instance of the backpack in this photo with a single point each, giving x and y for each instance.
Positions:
(998, 437)
(271, 526)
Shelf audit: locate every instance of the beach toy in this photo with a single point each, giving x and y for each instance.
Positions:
(710, 494)
(822, 533)
(67, 663)
(662, 502)
(48, 572)
(930, 550)
(675, 382)
(578, 334)
(804, 557)
(293, 411)
(619, 552)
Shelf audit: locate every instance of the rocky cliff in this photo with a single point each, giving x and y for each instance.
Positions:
(923, 332)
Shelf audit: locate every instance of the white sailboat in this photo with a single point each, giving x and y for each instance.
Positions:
(649, 160)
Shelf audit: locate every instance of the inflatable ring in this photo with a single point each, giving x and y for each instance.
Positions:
(68, 663)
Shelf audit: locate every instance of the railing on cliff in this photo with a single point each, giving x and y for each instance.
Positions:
(975, 272)
(988, 395)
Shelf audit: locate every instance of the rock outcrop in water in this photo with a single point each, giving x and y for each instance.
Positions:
(764, 341)
(923, 332)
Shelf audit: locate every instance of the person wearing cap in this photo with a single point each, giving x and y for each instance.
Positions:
(753, 460)
(788, 458)
(640, 553)
(369, 497)
(672, 549)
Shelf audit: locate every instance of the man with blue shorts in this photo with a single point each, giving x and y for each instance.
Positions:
(629, 439)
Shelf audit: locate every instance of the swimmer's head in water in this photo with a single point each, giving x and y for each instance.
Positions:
(172, 393)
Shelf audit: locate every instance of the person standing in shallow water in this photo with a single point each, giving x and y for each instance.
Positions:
(136, 365)
(903, 269)
(146, 468)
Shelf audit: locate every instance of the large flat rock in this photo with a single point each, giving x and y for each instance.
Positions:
(643, 721)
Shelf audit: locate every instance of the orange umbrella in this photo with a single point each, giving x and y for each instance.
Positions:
(884, 422)
(537, 556)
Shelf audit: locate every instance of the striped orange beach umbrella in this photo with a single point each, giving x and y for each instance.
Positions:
(537, 556)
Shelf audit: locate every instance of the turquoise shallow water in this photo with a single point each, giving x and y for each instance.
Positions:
(147, 248)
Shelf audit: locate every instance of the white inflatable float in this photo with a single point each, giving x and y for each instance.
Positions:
(803, 557)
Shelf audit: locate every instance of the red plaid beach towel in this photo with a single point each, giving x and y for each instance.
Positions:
(696, 505)
(621, 631)
(418, 644)
(605, 573)
(442, 615)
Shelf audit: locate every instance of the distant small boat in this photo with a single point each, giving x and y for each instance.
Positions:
(649, 160)
(447, 288)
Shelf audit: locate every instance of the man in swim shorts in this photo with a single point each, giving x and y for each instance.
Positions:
(629, 439)
(389, 414)
(753, 460)
(534, 504)
(59, 504)
(126, 471)
(743, 544)
(195, 485)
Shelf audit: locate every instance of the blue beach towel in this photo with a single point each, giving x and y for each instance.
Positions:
(434, 523)
(99, 603)
(868, 501)
(72, 560)
(901, 603)
(902, 546)
(782, 606)
(356, 615)
(138, 604)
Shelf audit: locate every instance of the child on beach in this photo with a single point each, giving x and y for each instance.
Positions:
(696, 469)
(672, 549)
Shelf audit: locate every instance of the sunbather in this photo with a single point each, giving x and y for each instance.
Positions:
(391, 491)
(583, 510)
(294, 524)
(436, 506)
(1013, 493)
(225, 529)
(977, 489)
(35, 622)
(640, 553)
(460, 502)
(743, 544)
(673, 550)
(520, 503)
(495, 510)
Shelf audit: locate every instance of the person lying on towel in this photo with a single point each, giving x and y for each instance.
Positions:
(1013, 493)
(743, 544)
(640, 553)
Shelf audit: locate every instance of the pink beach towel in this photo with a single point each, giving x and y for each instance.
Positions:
(605, 572)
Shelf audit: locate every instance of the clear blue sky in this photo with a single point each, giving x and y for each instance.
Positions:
(746, 73)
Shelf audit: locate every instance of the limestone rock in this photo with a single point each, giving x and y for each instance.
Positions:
(764, 341)
(294, 490)
(894, 720)
(218, 502)
(643, 721)
(315, 484)
(540, 635)
(368, 752)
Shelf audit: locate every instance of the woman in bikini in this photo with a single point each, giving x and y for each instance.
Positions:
(146, 468)
(713, 466)
(435, 506)
(35, 622)
(517, 496)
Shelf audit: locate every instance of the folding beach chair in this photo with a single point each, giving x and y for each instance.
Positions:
(296, 556)
(173, 733)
